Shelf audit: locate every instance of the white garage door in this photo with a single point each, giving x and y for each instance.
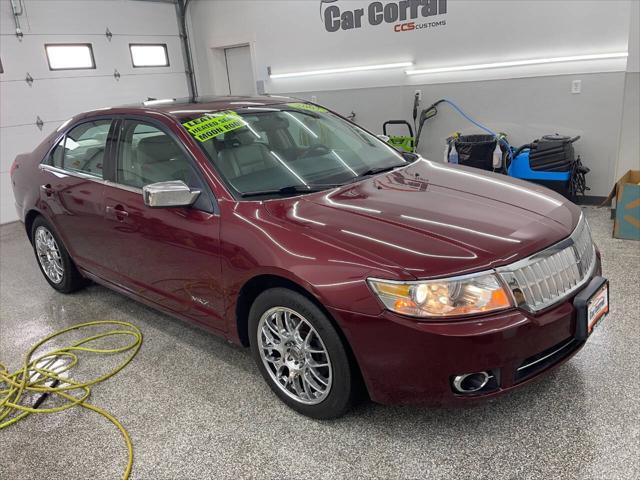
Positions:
(56, 95)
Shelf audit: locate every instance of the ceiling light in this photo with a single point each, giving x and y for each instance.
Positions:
(341, 70)
(518, 63)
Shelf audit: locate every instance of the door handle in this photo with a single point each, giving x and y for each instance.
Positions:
(46, 189)
(118, 211)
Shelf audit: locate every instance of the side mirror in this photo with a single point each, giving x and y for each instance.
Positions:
(175, 193)
(384, 138)
(410, 157)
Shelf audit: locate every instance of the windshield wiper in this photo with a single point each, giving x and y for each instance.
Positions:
(292, 190)
(376, 170)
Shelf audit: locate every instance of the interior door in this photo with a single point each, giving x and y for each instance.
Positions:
(170, 256)
(240, 70)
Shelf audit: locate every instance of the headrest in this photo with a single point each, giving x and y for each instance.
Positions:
(238, 138)
(271, 122)
(159, 148)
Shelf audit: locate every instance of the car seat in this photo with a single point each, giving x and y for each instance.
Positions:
(242, 155)
(160, 159)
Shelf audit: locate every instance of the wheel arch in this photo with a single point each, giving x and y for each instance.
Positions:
(258, 284)
(29, 218)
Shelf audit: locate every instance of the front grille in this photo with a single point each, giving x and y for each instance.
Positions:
(548, 276)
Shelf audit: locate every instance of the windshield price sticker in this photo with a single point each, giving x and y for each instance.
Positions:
(308, 107)
(210, 126)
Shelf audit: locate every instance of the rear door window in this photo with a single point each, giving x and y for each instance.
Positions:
(82, 149)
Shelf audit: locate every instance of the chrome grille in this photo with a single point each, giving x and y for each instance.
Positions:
(548, 276)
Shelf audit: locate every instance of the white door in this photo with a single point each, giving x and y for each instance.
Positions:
(240, 71)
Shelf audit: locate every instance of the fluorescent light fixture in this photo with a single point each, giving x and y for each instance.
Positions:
(363, 68)
(149, 55)
(73, 56)
(518, 63)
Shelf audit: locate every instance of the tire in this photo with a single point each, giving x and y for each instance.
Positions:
(301, 364)
(70, 278)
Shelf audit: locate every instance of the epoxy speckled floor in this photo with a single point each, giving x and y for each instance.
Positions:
(197, 408)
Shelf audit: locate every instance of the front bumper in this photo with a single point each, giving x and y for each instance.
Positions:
(407, 361)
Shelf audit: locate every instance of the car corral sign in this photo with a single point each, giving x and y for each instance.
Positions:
(404, 15)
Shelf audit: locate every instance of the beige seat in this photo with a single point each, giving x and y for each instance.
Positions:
(160, 160)
(242, 155)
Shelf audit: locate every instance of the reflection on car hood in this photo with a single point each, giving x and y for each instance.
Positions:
(430, 219)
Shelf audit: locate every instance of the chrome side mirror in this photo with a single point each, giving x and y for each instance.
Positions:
(175, 193)
(384, 138)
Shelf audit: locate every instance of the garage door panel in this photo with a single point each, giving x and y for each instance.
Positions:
(57, 100)
(108, 55)
(45, 16)
(17, 140)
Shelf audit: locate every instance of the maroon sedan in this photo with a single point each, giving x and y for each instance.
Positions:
(343, 263)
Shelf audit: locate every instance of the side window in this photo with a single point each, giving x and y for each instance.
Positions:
(82, 149)
(57, 154)
(148, 155)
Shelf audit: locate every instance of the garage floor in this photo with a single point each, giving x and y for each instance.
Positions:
(197, 408)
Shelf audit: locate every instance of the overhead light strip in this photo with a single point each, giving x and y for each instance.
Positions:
(518, 63)
(326, 71)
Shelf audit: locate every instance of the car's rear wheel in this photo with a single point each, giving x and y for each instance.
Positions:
(300, 354)
(53, 259)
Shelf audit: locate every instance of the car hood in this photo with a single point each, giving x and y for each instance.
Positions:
(429, 219)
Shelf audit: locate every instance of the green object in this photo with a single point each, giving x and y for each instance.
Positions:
(406, 143)
(40, 375)
(212, 125)
(401, 142)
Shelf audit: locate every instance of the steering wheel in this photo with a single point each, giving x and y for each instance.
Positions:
(315, 150)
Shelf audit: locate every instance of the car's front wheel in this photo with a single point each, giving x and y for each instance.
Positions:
(300, 354)
(53, 259)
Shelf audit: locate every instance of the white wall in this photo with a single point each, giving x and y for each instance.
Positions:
(524, 101)
(57, 95)
(629, 149)
(525, 108)
(290, 36)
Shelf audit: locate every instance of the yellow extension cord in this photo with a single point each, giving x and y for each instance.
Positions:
(35, 373)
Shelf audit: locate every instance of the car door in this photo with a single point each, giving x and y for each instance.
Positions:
(170, 256)
(72, 190)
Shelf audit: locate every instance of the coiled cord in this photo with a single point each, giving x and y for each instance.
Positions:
(37, 375)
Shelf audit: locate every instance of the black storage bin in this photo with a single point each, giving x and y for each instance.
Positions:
(475, 150)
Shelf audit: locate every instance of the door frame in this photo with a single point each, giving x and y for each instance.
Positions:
(113, 159)
(218, 72)
(226, 63)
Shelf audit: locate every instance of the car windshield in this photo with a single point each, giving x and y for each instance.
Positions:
(288, 149)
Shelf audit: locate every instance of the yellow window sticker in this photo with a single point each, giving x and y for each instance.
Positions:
(211, 125)
(308, 107)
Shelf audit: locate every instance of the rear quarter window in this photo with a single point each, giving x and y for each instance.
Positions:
(82, 149)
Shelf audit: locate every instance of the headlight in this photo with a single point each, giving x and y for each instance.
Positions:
(444, 297)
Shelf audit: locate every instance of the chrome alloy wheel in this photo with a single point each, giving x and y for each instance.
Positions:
(49, 255)
(294, 355)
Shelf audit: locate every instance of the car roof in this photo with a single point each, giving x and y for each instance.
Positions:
(187, 107)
